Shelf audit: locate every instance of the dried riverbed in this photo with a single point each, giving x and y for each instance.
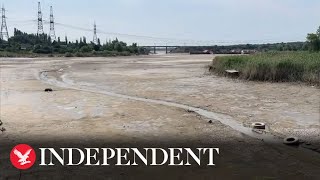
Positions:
(161, 99)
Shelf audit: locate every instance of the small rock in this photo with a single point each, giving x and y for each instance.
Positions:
(309, 146)
(210, 122)
(258, 131)
(2, 129)
(190, 111)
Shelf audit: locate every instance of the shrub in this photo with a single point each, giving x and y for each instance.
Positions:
(68, 54)
(274, 66)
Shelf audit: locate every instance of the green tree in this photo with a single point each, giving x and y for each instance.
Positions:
(66, 40)
(134, 48)
(280, 47)
(118, 47)
(314, 42)
(84, 40)
(86, 49)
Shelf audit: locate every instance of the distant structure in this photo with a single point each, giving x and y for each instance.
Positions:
(40, 22)
(95, 37)
(4, 28)
(52, 33)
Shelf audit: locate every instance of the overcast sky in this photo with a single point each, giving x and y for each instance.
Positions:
(192, 21)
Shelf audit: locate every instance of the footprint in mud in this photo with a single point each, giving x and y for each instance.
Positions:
(2, 129)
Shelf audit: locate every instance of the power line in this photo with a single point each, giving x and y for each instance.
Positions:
(21, 21)
(165, 40)
(120, 34)
(151, 39)
(72, 27)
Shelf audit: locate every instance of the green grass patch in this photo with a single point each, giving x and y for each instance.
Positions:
(272, 66)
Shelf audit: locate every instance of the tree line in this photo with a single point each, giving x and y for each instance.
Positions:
(236, 49)
(312, 44)
(22, 42)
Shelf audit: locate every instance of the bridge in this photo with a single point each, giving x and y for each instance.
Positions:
(158, 47)
(167, 47)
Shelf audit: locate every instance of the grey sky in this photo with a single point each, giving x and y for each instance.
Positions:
(192, 21)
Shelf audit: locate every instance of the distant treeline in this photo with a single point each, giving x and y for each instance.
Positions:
(312, 44)
(236, 49)
(24, 43)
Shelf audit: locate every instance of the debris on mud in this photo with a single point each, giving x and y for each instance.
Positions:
(2, 129)
(291, 141)
(232, 73)
(48, 90)
(309, 146)
(259, 125)
(258, 131)
(190, 111)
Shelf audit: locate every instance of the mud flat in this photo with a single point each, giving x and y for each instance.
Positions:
(165, 99)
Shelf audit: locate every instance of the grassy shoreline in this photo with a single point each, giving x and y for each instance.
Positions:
(272, 66)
